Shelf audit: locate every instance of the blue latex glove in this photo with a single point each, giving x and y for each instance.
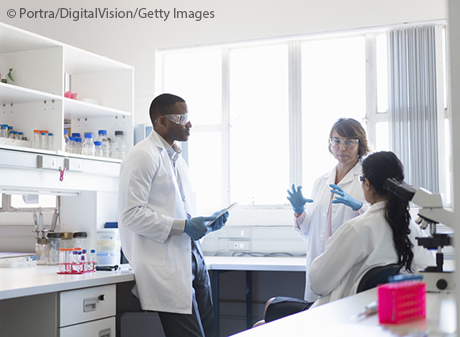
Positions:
(297, 200)
(344, 198)
(220, 222)
(197, 227)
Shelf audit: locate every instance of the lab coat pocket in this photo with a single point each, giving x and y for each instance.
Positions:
(154, 253)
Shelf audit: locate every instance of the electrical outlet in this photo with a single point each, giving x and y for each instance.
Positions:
(238, 245)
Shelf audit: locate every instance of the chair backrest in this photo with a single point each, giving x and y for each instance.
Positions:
(377, 275)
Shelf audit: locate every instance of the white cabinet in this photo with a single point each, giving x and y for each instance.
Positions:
(42, 70)
(88, 312)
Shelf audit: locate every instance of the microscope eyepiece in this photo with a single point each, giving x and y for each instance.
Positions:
(400, 189)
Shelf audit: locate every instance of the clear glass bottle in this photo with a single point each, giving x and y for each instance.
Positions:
(41, 251)
(53, 238)
(67, 141)
(106, 146)
(11, 134)
(119, 146)
(88, 145)
(10, 128)
(79, 240)
(98, 152)
(21, 136)
(78, 144)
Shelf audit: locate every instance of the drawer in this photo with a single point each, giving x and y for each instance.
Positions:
(87, 304)
(100, 328)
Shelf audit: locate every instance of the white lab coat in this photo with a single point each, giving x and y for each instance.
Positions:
(359, 245)
(313, 227)
(149, 201)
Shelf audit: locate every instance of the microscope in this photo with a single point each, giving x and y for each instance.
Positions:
(430, 214)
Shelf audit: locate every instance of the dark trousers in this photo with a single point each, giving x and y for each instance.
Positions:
(285, 306)
(201, 322)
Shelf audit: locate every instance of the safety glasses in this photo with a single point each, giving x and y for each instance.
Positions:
(336, 142)
(181, 119)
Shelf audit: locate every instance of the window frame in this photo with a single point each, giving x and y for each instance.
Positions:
(371, 118)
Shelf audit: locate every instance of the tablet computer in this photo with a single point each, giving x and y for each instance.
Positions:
(223, 212)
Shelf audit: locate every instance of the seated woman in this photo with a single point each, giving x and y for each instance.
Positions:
(385, 234)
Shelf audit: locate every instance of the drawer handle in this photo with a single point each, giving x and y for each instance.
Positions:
(105, 333)
(101, 297)
(89, 304)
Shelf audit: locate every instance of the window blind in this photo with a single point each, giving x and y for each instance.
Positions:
(413, 104)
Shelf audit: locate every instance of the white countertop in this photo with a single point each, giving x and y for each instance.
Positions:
(339, 318)
(251, 263)
(26, 281)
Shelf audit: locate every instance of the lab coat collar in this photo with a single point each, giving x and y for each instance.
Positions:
(174, 151)
(355, 171)
(377, 206)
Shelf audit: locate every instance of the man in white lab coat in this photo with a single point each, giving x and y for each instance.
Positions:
(159, 234)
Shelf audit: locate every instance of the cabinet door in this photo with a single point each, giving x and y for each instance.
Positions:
(100, 328)
(78, 306)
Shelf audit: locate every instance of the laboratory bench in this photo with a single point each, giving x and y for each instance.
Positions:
(341, 318)
(37, 301)
(218, 265)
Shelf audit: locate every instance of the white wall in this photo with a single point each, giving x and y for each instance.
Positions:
(135, 41)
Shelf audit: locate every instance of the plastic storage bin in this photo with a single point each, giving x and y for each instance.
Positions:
(402, 302)
(108, 251)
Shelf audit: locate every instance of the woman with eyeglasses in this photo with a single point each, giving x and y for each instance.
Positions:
(383, 235)
(337, 196)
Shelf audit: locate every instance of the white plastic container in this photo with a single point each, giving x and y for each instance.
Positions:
(108, 251)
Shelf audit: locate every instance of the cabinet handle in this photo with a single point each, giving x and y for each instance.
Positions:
(89, 304)
(101, 297)
(105, 333)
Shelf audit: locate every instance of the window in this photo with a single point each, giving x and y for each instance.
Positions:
(26, 202)
(261, 112)
(333, 86)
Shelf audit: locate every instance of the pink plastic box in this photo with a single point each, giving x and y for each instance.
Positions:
(402, 302)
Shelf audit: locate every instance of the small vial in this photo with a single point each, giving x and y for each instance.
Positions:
(92, 259)
(3, 131)
(10, 128)
(50, 141)
(62, 260)
(98, 149)
(21, 136)
(37, 135)
(76, 262)
(11, 134)
(44, 141)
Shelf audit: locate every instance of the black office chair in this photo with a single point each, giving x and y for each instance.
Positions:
(377, 275)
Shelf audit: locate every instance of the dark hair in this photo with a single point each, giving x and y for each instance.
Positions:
(162, 104)
(377, 167)
(352, 129)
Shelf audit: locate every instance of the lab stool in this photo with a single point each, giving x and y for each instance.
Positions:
(140, 324)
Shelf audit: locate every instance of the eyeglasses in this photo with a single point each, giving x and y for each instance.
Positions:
(181, 119)
(336, 142)
(362, 178)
